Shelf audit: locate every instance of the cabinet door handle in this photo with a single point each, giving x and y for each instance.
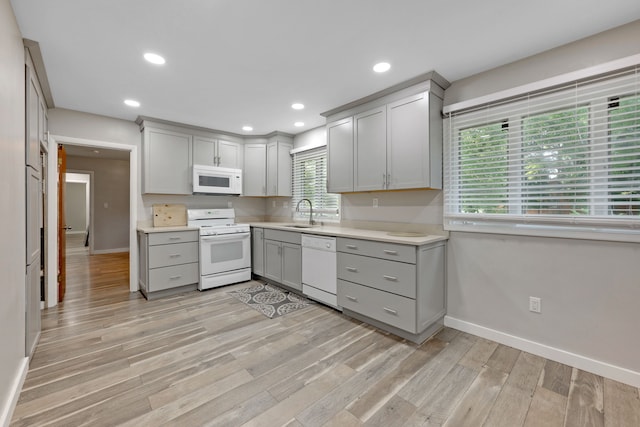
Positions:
(388, 179)
(174, 255)
(174, 238)
(352, 247)
(350, 298)
(391, 278)
(390, 252)
(384, 180)
(175, 277)
(352, 269)
(390, 311)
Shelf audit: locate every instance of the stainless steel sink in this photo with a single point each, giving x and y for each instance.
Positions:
(298, 225)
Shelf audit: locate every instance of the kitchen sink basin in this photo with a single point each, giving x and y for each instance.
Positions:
(298, 225)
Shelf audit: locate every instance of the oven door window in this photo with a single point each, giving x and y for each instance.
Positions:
(224, 253)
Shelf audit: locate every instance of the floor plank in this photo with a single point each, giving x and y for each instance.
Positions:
(109, 357)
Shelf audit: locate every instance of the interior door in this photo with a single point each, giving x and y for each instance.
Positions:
(62, 246)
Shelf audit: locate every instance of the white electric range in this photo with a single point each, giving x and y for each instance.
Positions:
(225, 247)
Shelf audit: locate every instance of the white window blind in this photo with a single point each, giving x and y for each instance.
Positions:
(563, 160)
(310, 182)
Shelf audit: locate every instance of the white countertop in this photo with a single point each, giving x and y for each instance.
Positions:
(152, 229)
(356, 233)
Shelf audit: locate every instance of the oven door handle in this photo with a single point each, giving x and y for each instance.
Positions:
(222, 237)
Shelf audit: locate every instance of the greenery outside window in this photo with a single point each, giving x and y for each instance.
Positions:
(310, 182)
(565, 162)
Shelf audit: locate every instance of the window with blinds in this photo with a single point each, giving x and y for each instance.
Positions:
(564, 160)
(310, 182)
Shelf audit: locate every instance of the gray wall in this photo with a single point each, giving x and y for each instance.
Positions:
(589, 289)
(12, 200)
(110, 186)
(75, 206)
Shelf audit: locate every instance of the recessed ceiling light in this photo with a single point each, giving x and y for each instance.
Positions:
(297, 106)
(154, 58)
(247, 128)
(381, 67)
(131, 103)
(298, 124)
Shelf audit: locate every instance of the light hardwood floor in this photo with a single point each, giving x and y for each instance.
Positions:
(107, 357)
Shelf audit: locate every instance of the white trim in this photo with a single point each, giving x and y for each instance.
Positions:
(597, 367)
(52, 223)
(110, 251)
(308, 147)
(90, 210)
(561, 79)
(14, 393)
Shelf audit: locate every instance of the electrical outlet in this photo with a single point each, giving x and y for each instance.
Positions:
(535, 304)
(375, 203)
(229, 204)
(274, 203)
(285, 204)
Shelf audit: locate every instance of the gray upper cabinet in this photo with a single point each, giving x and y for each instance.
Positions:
(35, 123)
(370, 150)
(166, 162)
(216, 152)
(267, 168)
(396, 139)
(340, 156)
(255, 170)
(414, 159)
(279, 169)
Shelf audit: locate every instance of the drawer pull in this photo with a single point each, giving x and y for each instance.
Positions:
(352, 269)
(175, 277)
(390, 311)
(175, 238)
(391, 278)
(350, 298)
(390, 252)
(352, 247)
(174, 255)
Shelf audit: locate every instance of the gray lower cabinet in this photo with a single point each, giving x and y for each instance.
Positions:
(168, 262)
(399, 288)
(257, 251)
(283, 258)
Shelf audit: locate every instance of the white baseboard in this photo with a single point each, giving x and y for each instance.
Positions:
(110, 251)
(597, 367)
(6, 412)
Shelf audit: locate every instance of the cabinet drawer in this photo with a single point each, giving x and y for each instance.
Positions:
(172, 237)
(391, 309)
(283, 236)
(172, 277)
(166, 255)
(390, 276)
(391, 251)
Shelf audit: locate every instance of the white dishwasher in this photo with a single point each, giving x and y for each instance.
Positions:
(319, 275)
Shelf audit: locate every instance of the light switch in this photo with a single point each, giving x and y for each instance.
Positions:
(106, 205)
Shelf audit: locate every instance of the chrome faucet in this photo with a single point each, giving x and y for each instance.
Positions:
(311, 221)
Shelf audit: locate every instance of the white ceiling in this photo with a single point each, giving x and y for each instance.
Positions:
(237, 62)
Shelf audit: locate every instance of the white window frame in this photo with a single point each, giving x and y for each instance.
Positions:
(321, 213)
(597, 225)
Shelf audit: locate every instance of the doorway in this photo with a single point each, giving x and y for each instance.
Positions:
(78, 209)
(131, 244)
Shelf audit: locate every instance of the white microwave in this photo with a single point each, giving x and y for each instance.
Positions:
(217, 180)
